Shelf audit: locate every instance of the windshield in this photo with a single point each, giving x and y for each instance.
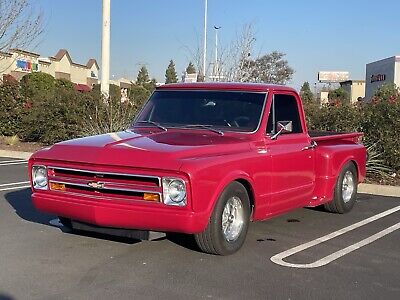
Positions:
(225, 110)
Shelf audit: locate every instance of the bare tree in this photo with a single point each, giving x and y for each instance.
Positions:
(239, 63)
(21, 23)
(234, 61)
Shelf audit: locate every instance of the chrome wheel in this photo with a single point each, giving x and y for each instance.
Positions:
(232, 219)
(348, 186)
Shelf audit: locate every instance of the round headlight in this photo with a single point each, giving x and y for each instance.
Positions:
(176, 191)
(39, 177)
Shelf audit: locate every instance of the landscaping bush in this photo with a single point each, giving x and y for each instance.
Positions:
(12, 109)
(60, 117)
(37, 86)
(379, 120)
(108, 115)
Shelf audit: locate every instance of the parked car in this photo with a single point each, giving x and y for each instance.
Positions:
(203, 159)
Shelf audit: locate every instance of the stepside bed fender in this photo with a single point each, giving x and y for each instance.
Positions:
(330, 159)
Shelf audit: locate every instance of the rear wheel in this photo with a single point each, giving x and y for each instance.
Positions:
(227, 228)
(345, 190)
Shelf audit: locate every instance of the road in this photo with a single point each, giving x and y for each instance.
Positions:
(40, 260)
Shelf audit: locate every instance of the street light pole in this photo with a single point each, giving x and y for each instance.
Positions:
(216, 66)
(205, 39)
(105, 50)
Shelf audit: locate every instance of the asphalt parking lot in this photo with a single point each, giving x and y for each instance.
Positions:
(38, 260)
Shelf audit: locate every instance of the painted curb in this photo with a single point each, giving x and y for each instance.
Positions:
(15, 154)
(381, 190)
(363, 188)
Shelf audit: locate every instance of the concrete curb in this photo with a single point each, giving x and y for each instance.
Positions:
(363, 188)
(381, 190)
(15, 154)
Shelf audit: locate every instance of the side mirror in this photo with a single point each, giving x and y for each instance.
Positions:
(283, 127)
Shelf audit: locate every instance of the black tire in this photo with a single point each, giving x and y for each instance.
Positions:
(340, 203)
(212, 240)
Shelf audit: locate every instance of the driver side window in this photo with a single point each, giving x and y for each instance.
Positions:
(284, 108)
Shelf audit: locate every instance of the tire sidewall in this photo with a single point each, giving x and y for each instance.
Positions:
(346, 206)
(223, 246)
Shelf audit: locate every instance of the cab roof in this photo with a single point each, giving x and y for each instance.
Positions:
(227, 86)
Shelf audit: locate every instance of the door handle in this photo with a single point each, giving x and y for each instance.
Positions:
(311, 146)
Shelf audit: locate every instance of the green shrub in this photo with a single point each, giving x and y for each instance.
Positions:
(37, 86)
(11, 109)
(108, 115)
(378, 119)
(60, 117)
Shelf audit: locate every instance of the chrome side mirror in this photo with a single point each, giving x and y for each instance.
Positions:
(283, 127)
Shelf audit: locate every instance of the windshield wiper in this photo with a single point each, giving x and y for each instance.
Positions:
(152, 123)
(204, 127)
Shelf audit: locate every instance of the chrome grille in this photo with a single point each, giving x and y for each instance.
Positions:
(122, 186)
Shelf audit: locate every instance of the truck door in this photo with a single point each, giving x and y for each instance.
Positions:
(291, 154)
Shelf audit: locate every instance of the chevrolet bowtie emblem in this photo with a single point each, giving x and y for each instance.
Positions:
(96, 185)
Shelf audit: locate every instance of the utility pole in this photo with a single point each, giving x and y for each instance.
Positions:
(205, 39)
(216, 66)
(105, 50)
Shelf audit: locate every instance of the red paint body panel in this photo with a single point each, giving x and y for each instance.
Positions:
(278, 174)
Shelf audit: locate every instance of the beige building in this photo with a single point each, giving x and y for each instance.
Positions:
(18, 63)
(355, 88)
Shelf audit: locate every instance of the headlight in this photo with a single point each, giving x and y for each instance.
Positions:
(39, 177)
(174, 191)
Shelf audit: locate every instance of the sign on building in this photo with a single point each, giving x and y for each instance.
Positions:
(332, 76)
(27, 66)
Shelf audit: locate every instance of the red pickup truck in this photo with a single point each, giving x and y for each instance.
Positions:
(202, 159)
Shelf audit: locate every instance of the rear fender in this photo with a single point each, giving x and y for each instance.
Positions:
(330, 160)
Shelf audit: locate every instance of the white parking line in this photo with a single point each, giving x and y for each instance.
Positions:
(278, 258)
(9, 163)
(13, 183)
(15, 188)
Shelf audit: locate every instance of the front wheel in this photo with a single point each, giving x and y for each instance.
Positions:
(345, 190)
(227, 228)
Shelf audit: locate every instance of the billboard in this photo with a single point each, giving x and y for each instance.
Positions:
(333, 76)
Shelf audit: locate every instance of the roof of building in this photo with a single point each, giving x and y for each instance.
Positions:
(15, 50)
(351, 81)
(254, 87)
(5, 53)
(62, 52)
(91, 62)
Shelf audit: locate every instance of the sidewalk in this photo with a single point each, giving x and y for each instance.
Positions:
(363, 188)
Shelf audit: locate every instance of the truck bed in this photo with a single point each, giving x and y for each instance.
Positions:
(319, 136)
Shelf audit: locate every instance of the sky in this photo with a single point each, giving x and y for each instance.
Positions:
(315, 35)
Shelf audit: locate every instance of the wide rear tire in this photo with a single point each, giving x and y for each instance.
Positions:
(345, 190)
(227, 228)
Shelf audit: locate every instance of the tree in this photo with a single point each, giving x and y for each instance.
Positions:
(170, 73)
(269, 68)
(20, 24)
(190, 69)
(143, 76)
(305, 93)
(339, 94)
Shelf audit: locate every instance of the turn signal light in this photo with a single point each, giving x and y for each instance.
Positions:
(151, 197)
(57, 186)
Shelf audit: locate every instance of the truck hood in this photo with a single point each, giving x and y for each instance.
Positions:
(145, 149)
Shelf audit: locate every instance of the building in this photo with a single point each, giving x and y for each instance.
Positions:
(124, 84)
(18, 63)
(355, 88)
(378, 73)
